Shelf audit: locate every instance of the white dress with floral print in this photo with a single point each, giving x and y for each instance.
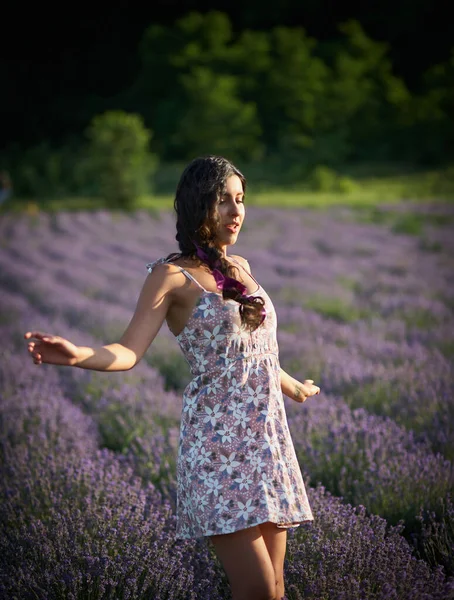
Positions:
(237, 466)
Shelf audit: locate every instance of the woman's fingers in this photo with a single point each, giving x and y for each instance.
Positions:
(47, 348)
(33, 348)
(38, 341)
(313, 389)
(38, 335)
(54, 339)
(35, 345)
(37, 358)
(32, 334)
(42, 337)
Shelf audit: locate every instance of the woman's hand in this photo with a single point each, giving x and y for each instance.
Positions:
(304, 390)
(52, 349)
(296, 390)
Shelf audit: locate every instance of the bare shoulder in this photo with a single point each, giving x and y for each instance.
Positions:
(243, 262)
(165, 276)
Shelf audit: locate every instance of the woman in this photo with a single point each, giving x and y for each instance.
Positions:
(239, 482)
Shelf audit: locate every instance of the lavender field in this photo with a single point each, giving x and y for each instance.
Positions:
(365, 305)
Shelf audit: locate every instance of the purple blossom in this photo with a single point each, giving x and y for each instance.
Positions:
(366, 312)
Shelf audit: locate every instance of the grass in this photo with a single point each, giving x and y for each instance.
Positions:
(408, 223)
(369, 187)
(173, 368)
(368, 192)
(329, 307)
(333, 308)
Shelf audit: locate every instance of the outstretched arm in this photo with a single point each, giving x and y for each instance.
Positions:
(296, 390)
(56, 350)
(154, 301)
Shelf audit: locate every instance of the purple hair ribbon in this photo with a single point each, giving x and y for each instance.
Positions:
(224, 282)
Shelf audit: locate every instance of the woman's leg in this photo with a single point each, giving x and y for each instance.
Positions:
(247, 563)
(275, 539)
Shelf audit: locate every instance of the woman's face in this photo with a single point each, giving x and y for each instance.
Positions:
(231, 212)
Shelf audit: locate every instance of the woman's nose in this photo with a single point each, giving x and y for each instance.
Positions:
(235, 209)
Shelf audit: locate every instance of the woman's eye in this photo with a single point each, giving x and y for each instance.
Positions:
(239, 200)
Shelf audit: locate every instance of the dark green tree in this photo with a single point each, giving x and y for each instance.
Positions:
(214, 119)
(281, 96)
(118, 157)
(367, 101)
(171, 59)
(428, 135)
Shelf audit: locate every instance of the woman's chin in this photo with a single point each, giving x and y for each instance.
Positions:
(227, 240)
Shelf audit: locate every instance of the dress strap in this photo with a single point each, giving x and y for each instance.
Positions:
(160, 261)
(189, 276)
(247, 272)
(152, 265)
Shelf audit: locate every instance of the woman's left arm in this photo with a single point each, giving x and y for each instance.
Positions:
(291, 387)
(296, 390)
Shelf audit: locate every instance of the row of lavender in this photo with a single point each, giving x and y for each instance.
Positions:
(82, 522)
(371, 312)
(367, 459)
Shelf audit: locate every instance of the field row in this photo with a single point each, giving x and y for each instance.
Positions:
(364, 310)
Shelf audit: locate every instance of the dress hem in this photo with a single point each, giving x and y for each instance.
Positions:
(281, 525)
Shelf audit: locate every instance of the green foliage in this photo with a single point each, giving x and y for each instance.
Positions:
(333, 308)
(323, 179)
(278, 101)
(410, 224)
(192, 52)
(365, 99)
(268, 186)
(43, 171)
(216, 121)
(281, 92)
(206, 37)
(174, 369)
(295, 82)
(346, 185)
(119, 158)
(288, 82)
(427, 135)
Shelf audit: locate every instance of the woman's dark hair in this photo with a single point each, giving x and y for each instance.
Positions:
(201, 185)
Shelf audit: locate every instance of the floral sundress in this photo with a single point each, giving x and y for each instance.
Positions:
(236, 466)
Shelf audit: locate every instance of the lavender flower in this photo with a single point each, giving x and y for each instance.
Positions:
(365, 310)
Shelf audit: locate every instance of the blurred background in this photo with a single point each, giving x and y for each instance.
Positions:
(321, 104)
(105, 107)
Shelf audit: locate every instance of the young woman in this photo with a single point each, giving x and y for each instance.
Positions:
(239, 482)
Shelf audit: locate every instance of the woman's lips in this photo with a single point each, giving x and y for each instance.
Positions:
(232, 228)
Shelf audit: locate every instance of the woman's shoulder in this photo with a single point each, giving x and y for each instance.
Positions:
(243, 262)
(151, 266)
(168, 262)
(162, 268)
(174, 264)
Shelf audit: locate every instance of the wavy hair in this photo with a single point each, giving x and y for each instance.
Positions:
(199, 189)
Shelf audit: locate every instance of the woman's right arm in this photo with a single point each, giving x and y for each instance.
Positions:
(155, 298)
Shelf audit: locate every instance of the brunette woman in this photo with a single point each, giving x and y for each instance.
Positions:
(239, 482)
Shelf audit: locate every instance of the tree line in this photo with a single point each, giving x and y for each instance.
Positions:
(275, 100)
